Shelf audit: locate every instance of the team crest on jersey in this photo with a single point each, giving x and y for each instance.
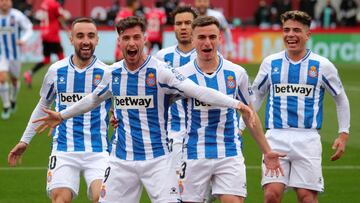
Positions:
(49, 176)
(97, 79)
(151, 80)
(61, 80)
(230, 83)
(181, 187)
(102, 191)
(313, 72)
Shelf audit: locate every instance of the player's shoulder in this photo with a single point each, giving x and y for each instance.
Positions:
(100, 64)
(162, 52)
(275, 56)
(61, 63)
(214, 13)
(16, 12)
(155, 62)
(229, 65)
(321, 59)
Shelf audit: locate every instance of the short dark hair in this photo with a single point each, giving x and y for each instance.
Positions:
(203, 21)
(130, 22)
(82, 20)
(184, 9)
(296, 15)
(130, 2)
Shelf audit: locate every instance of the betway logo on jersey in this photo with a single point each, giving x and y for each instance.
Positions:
(134, 102)
(201, 105)
(68, 99)
(299, 90)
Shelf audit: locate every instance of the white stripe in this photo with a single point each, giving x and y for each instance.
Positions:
(37, 168)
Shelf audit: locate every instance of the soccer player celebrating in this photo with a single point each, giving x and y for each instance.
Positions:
(176, 56)
(10, 57)
(296, 80)
(50, 25)
(80, 143)
(143, 88)
(213, 146)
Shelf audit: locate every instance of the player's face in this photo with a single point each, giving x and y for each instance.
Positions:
(295, 35)
(84, 38)
(132, 42)
(5, 5)
(182, 27)
(206, 40)
(202, 6)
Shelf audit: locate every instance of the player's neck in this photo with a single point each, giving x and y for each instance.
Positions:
(185, 48)
(296, 55)
(2, 12)
(81, 64)
(134, 65)
(208, 66)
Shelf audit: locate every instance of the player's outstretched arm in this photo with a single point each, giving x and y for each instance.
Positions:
(339, 145)
(271, 158)
(15, 154)
(52, 119)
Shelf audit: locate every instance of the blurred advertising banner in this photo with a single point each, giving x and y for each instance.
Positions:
(250, 46)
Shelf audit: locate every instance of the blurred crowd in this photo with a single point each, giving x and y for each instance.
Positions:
(325, 13)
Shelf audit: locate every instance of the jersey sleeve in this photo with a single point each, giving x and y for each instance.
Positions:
(261, 83)
(26, 26)
(48, 88)
(245, 93)
(104, 86)
(330, 79)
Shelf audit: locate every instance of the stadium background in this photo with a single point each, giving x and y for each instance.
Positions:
(26, 183)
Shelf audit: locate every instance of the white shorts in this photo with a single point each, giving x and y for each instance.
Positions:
(11, 66)
(302, 165)
(125, 179)
(65, 168)
(227, 176)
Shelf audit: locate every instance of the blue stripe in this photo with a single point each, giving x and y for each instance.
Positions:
(167, 98)
(61, 87)
(134, 118)
(50, 92)
(328, 84)
(229, 134)
(309, 102)
(78, 121)
(242, 98)
(292, 101)
(175, 118)
(5, 39)
(14, 47)
(95, 119)
(319, 116)
(169, 58)
(194, 126)
(184, 105)
(120, 131)
(263, 81)
(267, 113)
(169, 87)
(153, 117)
(276, 66)
(213, 121)
(184, 60)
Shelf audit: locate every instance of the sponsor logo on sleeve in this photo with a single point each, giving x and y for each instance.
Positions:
(68, 99)
(178, 75)
(299, 90)
(134, 102)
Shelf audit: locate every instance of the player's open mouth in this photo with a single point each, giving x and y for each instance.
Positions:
(291, 42)
(132, 52)
(207, 50)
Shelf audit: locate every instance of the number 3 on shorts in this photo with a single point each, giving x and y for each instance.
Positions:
(182, 170)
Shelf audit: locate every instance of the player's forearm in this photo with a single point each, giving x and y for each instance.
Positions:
(343, 112)
(37, 113)
(258, 134)
(27, 34)
(84, 105)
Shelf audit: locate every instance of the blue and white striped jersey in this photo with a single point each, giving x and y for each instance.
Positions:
(142, 99)
(11, 26)
(213, 131)
(176, 58)
(67, 84)
(296, 89)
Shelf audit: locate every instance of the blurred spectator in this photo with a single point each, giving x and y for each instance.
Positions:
(262, 15)
(155, 19)
(308, 6)
(348, 12)
(25, 6)
(140, 11)
(112, 11)
(279, 7)
(169, 6)
(328, 17)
